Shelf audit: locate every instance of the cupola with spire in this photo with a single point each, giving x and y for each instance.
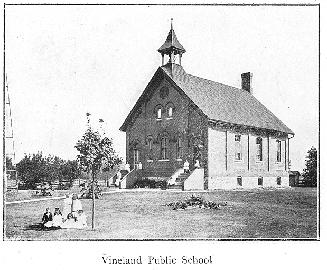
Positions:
(171, 47)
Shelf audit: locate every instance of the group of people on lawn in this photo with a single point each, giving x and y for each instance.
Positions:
(72, 215)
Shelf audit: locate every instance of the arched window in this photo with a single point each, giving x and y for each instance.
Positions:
(179, 148)
(150, 143)
(259, 148)
(170, 109)
(170, 112)
(163, 148)
(159, 113)
(150, 147)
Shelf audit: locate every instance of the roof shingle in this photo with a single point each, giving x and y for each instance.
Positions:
(225, 103)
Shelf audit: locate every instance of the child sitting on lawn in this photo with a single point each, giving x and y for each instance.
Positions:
(69, 222)
(81, 220)
(47, 218)
(57, 218)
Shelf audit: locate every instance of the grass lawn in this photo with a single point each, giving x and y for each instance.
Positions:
(137, 214)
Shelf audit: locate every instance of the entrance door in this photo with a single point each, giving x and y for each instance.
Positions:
(136, 158)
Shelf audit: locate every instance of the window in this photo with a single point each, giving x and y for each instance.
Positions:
(164, 92)
(170, 112)
(279, 151)
(170, 109)
(163, 152)
(136, 157)
(150, 143)
(259, 149)
(260, 181)
(159, 113)
(238, 147)
(279, 180)
(239, 181)
(179, 148)
(150, 146)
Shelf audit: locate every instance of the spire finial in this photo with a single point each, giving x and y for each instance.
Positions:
(171, 23)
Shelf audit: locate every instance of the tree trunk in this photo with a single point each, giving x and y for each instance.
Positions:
(93, 201)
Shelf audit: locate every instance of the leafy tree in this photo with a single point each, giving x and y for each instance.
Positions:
(310, 172)
(69, 171)
(36, 169)
(32, 170)
(95, 151)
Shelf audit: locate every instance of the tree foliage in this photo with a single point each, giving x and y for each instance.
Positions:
(310, 172)
(95, 152)
(36, 169)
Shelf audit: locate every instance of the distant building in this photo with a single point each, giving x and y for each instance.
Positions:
(179, 117)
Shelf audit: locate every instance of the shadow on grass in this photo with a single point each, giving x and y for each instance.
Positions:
(39, 227)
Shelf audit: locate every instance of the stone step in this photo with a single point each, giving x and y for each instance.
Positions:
(180, 187)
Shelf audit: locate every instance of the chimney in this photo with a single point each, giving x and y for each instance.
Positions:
(247, 82)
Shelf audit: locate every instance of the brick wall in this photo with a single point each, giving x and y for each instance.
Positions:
(224, 171)
(146, 125)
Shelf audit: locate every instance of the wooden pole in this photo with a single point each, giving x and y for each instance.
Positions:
(93, 201)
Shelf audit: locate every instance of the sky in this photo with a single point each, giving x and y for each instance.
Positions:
(64, 61)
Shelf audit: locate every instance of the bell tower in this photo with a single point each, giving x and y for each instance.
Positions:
(171, 47)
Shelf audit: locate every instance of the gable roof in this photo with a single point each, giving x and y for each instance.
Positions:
(219, 102)
(225, 103)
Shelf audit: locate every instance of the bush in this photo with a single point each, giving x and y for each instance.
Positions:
(150, 183)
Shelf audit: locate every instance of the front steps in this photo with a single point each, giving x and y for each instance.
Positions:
(179, 183)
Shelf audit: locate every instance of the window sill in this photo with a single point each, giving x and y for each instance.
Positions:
(259, 161)
(169, 118)
(159, 119)
(163, 160)
(179, 159)
(150, 160)
(238, 161)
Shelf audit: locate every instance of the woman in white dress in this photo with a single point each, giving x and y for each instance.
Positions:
(67, 206)
(76, 205)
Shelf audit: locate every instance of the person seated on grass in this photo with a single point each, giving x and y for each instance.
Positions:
(69, 223)
(81, 220)
(57, 218)
(47, 217)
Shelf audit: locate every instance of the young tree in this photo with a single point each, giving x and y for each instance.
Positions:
(310, 172)
(95, 151)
